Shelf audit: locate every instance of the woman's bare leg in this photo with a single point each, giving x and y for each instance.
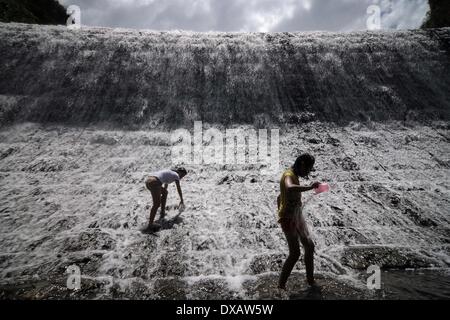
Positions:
(294, 252)
(164, 193)
(308, 245)
(155, 190)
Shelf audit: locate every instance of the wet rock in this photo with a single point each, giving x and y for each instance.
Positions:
(95, 287)
(418, 218)
(338, 232)
(440, 162)
(38, 242)
(6, 153)
(356, 176)
(346, 164)
(93, 225)
(411, 138)
(395, 201)
(52, 207)
(61, 224)
(368, 141)
(223, 180)
(113, 225)
(87, 262)
(337, 209)
(404, 205)
(333, 141)
(228, 179)
(337, 222)
(211, 289)
(384, 257)
(56, 288)
(170, 289)
(264, 287)
(266, 262)
(206, 244)
(239, 179)
(46, 165)
(314, 141)
(300, 118)
(30, 290)
(5, 258)
(135, 290)
(104, 139)
(154, 140)
(328, 288)
(92, 239)
(171, 264)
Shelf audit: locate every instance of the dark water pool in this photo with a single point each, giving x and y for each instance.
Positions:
(414, 284)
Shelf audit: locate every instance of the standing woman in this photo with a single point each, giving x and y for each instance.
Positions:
(291, 219)
(157, 184)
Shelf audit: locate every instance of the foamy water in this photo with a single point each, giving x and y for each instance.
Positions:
(76, 196)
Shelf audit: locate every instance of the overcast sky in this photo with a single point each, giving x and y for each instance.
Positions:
(249, 15)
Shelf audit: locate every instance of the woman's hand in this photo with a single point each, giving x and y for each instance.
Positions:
(315, 185)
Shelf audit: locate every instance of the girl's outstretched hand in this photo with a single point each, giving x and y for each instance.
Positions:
(315, 185)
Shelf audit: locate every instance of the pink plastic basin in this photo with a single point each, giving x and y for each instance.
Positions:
(323, 187)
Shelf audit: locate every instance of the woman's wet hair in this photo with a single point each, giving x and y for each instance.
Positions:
(180, 170)
(304, 159)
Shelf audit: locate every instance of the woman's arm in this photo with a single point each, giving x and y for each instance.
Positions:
(292, 187)
(180, 193)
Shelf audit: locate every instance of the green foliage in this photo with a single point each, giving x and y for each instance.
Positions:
(32, 11)
(439, 14)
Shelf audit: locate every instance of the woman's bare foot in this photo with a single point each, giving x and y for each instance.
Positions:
(312, 282)
(151, 228)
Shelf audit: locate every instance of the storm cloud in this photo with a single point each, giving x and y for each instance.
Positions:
(249, 15)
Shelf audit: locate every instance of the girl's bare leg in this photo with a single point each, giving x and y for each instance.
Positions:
(308, 245)
(164, 193)
(155, 190)
(294, 252)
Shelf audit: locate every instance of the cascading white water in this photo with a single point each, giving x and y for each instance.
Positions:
(146, 79)
(67, 197)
